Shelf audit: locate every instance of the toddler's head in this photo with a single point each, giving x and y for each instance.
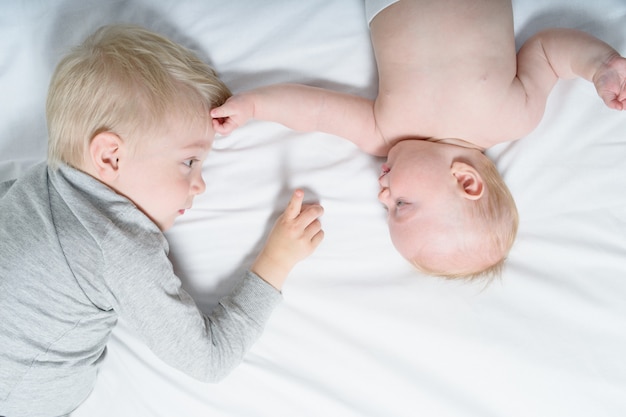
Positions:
(126, 80)
(450, 213)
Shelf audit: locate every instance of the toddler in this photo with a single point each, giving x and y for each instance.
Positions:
(82, 235)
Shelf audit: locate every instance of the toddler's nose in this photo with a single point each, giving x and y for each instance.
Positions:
(198, 186)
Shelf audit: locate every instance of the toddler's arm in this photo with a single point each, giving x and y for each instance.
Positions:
(305, 108)
(295, 235)
(569, 53)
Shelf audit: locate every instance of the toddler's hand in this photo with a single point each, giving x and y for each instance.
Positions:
(295, 235)
(236, 111)
(610, 82)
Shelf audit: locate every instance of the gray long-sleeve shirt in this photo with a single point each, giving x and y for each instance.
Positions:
(73, 256)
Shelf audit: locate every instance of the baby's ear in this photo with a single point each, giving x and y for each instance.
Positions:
(104, 151)
(468, 179)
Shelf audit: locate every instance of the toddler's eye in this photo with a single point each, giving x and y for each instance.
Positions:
(190, 162)
(400, 203)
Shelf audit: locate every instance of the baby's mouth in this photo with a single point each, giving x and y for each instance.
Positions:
(384, 171)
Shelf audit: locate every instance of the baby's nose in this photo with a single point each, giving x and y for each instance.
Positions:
(383, 195)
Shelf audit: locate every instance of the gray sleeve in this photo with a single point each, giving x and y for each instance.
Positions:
(237, 322)
(4, 187)
(209, 347)
(151, 299)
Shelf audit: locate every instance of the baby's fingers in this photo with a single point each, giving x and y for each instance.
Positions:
(613, 100)
(223, 126)
(610, 82)
(220, 112)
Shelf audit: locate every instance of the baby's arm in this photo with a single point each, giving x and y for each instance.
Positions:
(568, 53)
(295, 235)
(305, 108)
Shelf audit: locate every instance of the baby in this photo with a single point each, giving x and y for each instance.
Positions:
(450, 86)
(82, 241)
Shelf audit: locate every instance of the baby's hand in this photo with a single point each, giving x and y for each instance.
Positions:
(295, 235)
(610, 82)
(236, 111)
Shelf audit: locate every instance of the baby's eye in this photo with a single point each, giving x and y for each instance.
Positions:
(190, 162)
(400, 203)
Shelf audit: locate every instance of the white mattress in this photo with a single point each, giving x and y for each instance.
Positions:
(359, 332)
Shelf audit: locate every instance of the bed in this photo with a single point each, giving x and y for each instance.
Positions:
(360, 333)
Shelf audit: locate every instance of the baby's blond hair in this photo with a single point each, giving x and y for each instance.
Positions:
(124, 79)
(499, 212)
(495, 217)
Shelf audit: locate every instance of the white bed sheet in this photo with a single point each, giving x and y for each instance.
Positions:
(359, 332)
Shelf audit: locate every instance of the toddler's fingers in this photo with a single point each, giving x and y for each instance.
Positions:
(309, 215)
(295, 204)
(314, 231)
(317, 238)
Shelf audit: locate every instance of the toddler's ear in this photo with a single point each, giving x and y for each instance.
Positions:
(104, 151)
(468, 179)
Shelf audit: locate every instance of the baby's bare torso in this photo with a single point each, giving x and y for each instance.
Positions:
(447, 69)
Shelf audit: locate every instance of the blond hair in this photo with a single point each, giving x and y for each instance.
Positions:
(499, 212)
(497, 219)
(124, 78)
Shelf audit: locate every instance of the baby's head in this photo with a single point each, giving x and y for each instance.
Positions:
(131, 108)
(126, 80)
(450, 213)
